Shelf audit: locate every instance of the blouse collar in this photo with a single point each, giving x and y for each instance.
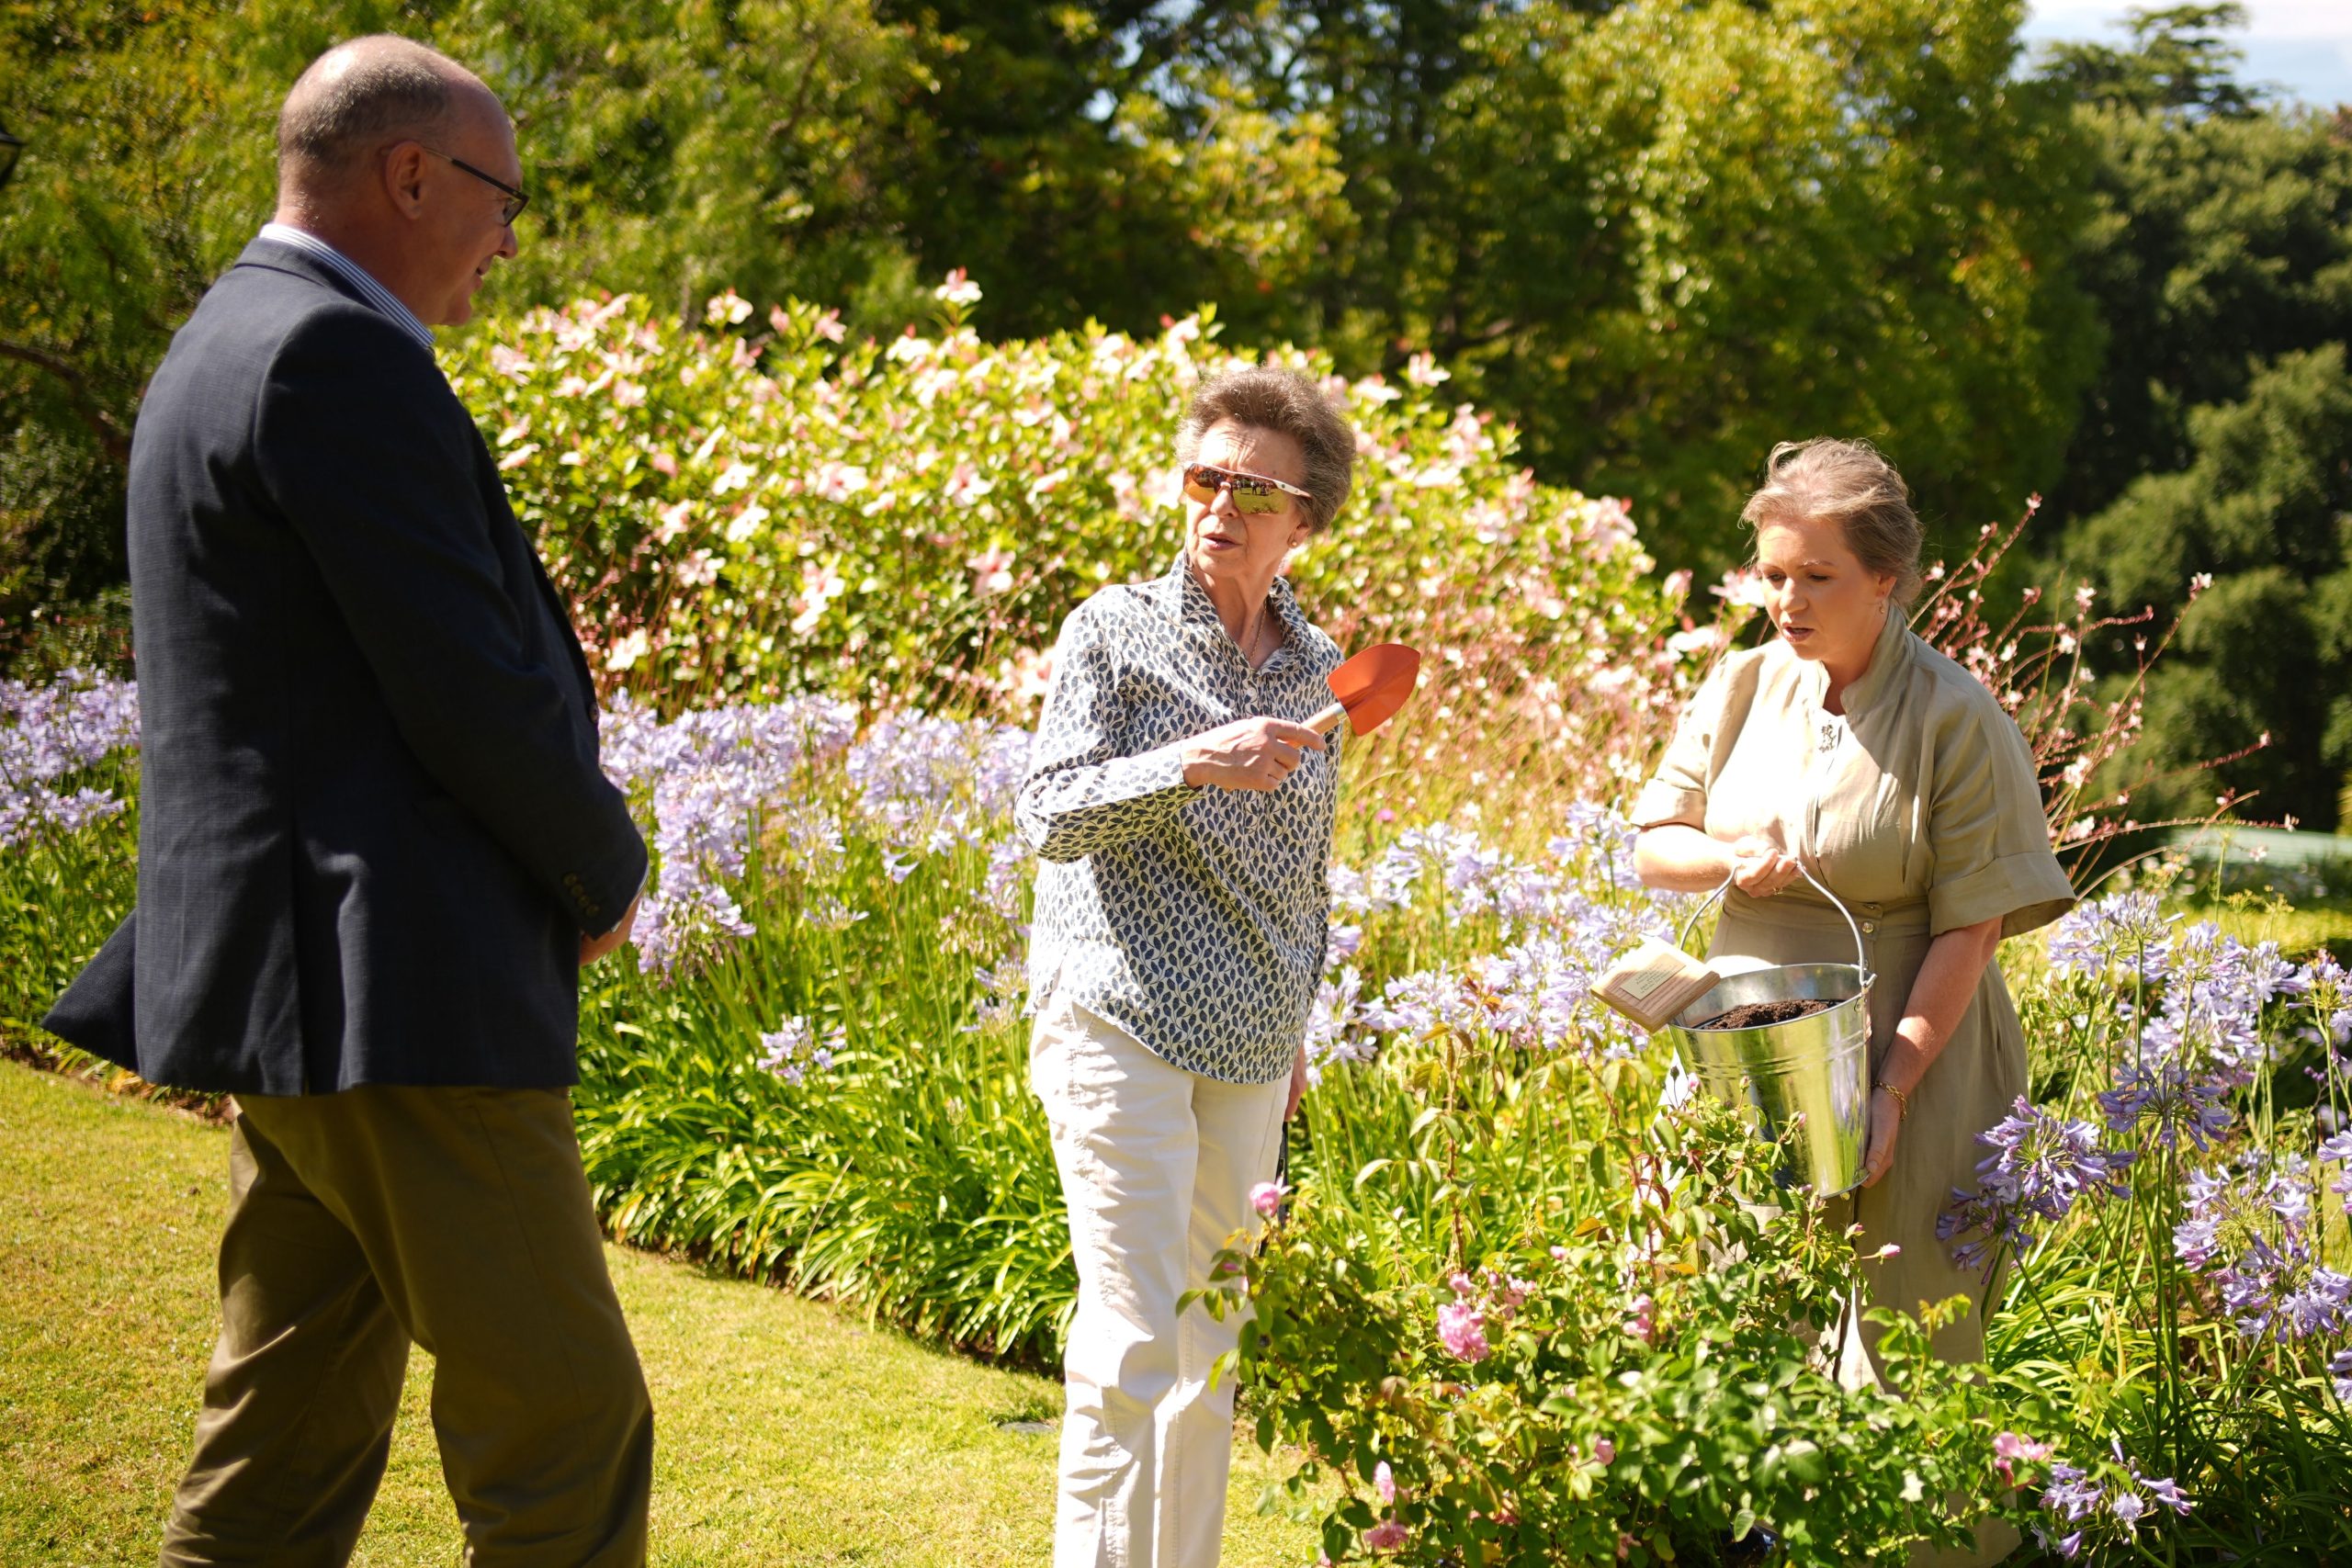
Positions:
(1181, 598)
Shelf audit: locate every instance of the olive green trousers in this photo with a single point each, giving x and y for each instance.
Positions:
(455, 1218)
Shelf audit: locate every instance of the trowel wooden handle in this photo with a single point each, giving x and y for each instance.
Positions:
(1322, 722)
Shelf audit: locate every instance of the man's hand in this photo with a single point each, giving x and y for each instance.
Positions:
(1759, 869)
(592, 948)
(1248, 753)
(1298, 1082)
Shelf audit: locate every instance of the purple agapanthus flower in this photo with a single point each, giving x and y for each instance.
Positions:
(49, 733)
(2042, 1165)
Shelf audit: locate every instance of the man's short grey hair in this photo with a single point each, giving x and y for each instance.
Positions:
(362, 95)
(1260, 397)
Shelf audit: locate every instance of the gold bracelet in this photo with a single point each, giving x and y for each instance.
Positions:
(1901, 1101)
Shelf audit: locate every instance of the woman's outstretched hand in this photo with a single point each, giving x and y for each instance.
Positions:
(1248, 753)
(1760, 868)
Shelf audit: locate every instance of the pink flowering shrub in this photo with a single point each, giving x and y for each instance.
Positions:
(758, 507)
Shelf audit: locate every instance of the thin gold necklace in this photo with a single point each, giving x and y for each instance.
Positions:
(1257, 633)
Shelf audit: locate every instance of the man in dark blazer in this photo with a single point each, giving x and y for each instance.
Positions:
(375, 849)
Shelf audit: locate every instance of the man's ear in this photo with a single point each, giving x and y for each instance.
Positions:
(403, 176)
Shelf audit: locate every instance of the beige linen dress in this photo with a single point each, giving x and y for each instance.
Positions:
(1919, 807)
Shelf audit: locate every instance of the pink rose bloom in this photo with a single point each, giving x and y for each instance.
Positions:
(1383, 1482)
(1643, 1324)
(1385, 1536)
(1603, 1450)
(1267, 1199)
(1463, 1330)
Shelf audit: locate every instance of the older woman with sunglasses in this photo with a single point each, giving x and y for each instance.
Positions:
(1183, 812)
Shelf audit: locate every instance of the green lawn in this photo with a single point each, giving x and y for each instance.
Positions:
(790, 1433)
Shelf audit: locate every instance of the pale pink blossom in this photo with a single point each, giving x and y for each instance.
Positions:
(1461, 1329)
(991, 571)
(2008, 1449)
(1741, 586)
(1385, 1536)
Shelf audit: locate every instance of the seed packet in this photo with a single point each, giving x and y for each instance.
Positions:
(1654, 981)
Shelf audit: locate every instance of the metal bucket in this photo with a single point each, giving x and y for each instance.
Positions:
(1806, 1080)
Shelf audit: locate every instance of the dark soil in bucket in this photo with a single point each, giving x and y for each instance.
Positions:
(1756, 1015)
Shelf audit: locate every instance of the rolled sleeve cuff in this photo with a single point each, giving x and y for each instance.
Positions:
(1659, 804)
(2024, 892)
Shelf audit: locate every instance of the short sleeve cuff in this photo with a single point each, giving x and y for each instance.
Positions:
(1661, 804)
(2024, 892)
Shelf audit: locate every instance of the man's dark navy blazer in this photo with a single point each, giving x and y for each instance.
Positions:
(372, 827)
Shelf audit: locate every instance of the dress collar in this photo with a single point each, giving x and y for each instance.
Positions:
(1889, 658)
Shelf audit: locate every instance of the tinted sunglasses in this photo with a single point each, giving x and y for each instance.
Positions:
(1254, 495)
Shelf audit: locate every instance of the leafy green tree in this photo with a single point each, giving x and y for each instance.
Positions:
(2261, 518)
(671, 151)
(1124, 161)
(2212, 439)
(1693, 230)
(106, 236)
(2222, 239)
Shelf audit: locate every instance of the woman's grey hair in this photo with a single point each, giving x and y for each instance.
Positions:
(1263, 398)
(1852, 482)
(359, 96)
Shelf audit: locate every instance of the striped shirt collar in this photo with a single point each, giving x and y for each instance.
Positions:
(358, 277)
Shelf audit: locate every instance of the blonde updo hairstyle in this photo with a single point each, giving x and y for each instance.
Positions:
(1852, 482)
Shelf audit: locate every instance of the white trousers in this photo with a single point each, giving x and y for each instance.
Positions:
(1156, 1164)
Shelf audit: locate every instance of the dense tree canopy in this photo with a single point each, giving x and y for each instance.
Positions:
(2214, 438)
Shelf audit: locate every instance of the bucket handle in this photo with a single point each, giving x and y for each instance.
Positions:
(1861, 958)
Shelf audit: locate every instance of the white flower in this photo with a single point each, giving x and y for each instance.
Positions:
(628, 650)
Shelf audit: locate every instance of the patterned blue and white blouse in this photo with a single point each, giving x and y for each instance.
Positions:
(1191, 917)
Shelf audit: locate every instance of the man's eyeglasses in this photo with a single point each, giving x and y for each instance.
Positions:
(516, 199)
(1254, 495)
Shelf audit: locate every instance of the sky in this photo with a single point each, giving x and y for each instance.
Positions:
(2302, 46)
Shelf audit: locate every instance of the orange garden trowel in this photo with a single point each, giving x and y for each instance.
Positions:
(1371, 687)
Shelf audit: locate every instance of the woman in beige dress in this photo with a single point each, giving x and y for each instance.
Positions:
(1850, 747)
